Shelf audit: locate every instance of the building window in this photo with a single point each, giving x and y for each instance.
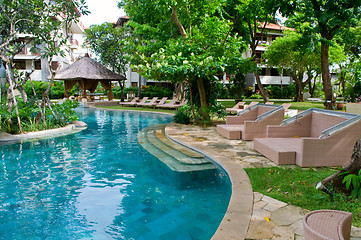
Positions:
(54, 65)
(134, 84)
(274, 72)
(20, 64)
(37, 65)
(261, 38)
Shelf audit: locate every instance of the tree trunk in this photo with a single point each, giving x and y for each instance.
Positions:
(326, 80)
(352, 167)
(204, 109)
(13, 99)
(178, 23)
(261, 88)
(191, 98)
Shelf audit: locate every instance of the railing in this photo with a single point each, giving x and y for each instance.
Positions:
(351, 119)
(264, 115)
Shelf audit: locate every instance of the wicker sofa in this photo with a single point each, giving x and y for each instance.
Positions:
(313, 138)
(251, 122)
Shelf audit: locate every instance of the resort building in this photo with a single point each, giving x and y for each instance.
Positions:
(26, 60)
(268, 76)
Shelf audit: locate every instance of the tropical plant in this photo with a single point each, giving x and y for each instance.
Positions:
(353, 183)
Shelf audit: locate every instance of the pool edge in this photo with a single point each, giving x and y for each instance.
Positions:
(235, 222)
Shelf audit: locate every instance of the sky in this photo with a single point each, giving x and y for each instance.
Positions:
(101, 11)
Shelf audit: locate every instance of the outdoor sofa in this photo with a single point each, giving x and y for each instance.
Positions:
(251, 122)
(312, 138)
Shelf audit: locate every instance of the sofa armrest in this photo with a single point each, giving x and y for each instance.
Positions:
(234, 120)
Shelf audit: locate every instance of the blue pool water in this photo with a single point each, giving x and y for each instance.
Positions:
(101, 184)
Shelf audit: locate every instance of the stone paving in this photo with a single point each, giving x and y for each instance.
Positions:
(269, 218)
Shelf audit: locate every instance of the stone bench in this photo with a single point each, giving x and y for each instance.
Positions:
(327, 225)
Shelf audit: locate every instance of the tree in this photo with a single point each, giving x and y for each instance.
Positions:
(250, 18)
(45, 24)
(328, 18)
(182, 41)
(108, 43)
(292, 53)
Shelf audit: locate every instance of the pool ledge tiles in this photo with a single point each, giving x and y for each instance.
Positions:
(177, 157)
(249, 215)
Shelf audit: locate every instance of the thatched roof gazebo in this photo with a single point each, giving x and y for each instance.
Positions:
(87, 73)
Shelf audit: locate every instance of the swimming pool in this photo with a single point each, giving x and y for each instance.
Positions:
(101, 184)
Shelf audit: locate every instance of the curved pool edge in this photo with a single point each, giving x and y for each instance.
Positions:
(235, 222)
(66, 130)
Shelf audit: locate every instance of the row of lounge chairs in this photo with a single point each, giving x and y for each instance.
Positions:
(242, 105)
(312, 138)
(155, 103)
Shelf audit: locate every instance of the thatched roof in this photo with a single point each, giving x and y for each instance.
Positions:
(89, 69)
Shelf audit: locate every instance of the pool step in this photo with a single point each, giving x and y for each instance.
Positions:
(177, 157)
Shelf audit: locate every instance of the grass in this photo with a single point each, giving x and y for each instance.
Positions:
(139, 109)
(296, 186)
(295, 105)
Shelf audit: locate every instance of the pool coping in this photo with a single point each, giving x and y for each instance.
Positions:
(235, 222)
(71, 128)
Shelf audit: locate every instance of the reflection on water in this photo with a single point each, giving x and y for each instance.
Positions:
(101, 184)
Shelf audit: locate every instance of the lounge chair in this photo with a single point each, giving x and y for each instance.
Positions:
(235, 108)
(251, 122)
(178, 105)
(158, 102)
(327, 224)
(144, 100)
(270, 103)
(146, 104)
(249, 105)
(286, 106)
(312, 138)
(133, 102)
(166, 105)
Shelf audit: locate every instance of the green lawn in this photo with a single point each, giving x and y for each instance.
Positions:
(295, 105)
(296, 186)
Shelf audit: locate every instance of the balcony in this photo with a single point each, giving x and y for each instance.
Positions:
(275, 80)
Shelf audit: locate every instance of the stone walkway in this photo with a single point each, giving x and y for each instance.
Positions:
(267, 218)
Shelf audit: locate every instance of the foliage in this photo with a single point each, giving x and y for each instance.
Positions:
(171, 43)
(256, 96)
(107, 42)
(183, 115)
(56, 91)
(327, 18)
(28, 114)
(353, 183)
(155, 91)
(297, 55)
(296, 186)
(249, 19)
(117, 91)
(274, 91)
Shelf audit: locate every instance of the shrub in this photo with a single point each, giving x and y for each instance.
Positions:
(28, 113)
(56, 91)
(183, 115)
(256, 96)
(155, 91)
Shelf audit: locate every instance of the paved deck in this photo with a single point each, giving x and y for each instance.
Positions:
(250, 215)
